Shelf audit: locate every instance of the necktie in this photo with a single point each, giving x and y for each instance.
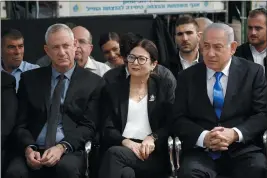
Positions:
(218, 100)
(55, 113)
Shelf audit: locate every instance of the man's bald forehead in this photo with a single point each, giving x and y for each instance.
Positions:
(203, 23)
(80, 29)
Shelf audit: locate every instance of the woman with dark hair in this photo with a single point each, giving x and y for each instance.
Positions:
(136, 127)
(110, 45)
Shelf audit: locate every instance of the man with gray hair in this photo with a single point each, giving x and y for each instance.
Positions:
(203, 23)
(58, 107)
(220, 111)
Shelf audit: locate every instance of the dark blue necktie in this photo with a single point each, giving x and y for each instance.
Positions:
(218, 100)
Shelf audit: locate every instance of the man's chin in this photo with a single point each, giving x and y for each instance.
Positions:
(186, 50)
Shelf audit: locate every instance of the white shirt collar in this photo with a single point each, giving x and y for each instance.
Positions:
(254, 50)
(225, 71)
(182, 59)
(90, 64)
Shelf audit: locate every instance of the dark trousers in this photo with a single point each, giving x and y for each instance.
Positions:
(71, 165)
(121, 162)
(198, 164)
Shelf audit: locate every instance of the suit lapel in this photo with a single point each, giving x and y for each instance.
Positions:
(73, 84)
(151, 96)
(236, 74)
(248, 53)
(200, 79)
(124, 101)
(46, 87)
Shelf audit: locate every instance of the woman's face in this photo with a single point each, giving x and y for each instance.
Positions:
(111, 50)
(139, 62)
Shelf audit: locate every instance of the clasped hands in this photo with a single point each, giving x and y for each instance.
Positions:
(219, 138)
(49, 158)
(141, 150)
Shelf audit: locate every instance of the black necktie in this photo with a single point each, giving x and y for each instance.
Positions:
(55, 114)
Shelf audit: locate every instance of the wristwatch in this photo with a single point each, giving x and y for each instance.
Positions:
(66, 150)
(154, 136)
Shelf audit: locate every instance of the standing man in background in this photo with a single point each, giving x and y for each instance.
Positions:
(255, 49)
(187, 38)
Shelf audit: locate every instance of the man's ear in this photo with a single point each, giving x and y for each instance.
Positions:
(46, 49)
(233, 46)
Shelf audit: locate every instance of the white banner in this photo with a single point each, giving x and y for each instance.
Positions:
(120, 7)
(258, 4)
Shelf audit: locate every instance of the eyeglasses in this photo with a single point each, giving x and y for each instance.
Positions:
(140, 59)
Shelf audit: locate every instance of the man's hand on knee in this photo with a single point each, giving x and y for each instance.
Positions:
(51, 156)
(33, 158)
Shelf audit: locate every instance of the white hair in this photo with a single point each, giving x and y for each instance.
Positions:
(229, 32)
(57, 27)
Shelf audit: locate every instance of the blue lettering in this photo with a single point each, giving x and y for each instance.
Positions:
(93, 8)
(177, 5)
(112, 8)
(160, 6)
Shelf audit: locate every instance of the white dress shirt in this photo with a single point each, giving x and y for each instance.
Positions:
(258, 56)
(210, 84)
(185, 63)
(137, 125)
(96, 67)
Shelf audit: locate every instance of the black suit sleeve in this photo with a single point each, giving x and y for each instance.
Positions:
(111, 134)
(164, 125)
(8, 107)
(183, 126)
(87, 119)
(257, 122)
(24, 136)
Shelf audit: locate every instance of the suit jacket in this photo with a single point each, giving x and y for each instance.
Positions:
(80, 108)
(245, 105)
(245, 52)
(9, 105)
(176, 65)
(117, 96)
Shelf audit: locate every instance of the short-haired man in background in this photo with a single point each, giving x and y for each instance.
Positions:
(12, 51)
(255, 49)
(187, 39)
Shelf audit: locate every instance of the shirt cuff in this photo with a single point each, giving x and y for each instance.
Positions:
(200, 140)
(240, 135)
(68, 145)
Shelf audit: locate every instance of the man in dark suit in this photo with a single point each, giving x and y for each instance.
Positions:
(58, 107)
(9, 106)
(255, 49)
(220, 111)
(187, 39)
